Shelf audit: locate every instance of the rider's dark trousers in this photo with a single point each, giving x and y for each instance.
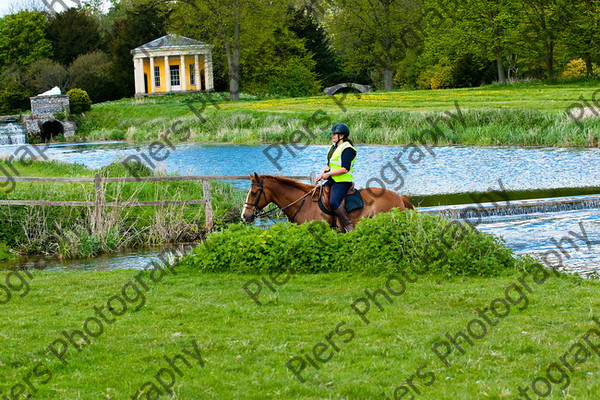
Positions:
(338, 191)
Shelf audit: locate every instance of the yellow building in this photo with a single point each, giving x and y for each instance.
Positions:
(172, 63)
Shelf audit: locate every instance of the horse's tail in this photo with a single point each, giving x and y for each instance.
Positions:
(407, 204)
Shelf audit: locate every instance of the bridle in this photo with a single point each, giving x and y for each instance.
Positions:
(257, 211)
(260, 193)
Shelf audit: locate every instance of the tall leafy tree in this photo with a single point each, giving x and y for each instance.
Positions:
(92, 73)
(327, 63)
(476, 27)
(372, 34)
(73, 32)
(141, 23)
(23, 38)
(44, 74)
(236, 26)
(542, 26)
(581, 36)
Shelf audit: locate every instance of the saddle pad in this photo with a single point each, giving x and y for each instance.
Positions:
(354, 201)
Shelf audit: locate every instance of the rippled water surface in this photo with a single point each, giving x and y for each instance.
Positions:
(453, 168)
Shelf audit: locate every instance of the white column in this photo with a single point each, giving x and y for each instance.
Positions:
(151, 85)
(208, 71)
(197, 73)
(138, 73)
(183, 75)
(167, 75)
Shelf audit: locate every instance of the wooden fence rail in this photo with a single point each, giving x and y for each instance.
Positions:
(99, 198)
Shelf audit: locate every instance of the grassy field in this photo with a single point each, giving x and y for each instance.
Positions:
(67, 232)
(525, 115)
(245, 347)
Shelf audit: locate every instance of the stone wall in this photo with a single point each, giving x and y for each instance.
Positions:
(48, 105)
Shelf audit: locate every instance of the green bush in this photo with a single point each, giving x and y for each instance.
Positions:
(79, 101)
(13, 100)
(5, 253)
(92, 73)
(408, 71)
(388, 243)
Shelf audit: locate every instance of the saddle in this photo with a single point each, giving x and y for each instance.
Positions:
(352, 200)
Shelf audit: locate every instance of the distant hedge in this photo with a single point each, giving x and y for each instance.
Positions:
(391, 242)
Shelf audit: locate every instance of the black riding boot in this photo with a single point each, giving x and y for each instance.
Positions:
(341, 213)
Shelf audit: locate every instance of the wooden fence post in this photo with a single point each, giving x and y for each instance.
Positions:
(313, 178)
(207, 205)
(99, 201)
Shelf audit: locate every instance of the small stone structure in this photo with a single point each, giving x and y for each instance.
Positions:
(331, 90)
(43, 122)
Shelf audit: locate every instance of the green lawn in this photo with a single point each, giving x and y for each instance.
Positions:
(524, 115)
(552, 98)
(245, 347)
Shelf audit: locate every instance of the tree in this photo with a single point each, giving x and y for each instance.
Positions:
(285, 67)
(92, 72)
(44, 74)
(235, 25)
(543, 24)
(72, 33)
(482, 28)
(372, 34)
(23, 38)
(141, 23)
(581, 37)
(327, 63)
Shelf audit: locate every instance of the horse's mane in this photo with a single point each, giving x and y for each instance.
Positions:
(289, 182)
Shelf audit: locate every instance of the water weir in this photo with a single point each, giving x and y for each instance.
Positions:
(12, 132)
(521, 207)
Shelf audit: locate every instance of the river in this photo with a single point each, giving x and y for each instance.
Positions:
(422, 171)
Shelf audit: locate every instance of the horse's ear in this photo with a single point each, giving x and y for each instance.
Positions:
(251, 177)
(256, 176)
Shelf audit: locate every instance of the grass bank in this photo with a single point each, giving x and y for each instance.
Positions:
(67, 231)
(245, 347)
(523, 115)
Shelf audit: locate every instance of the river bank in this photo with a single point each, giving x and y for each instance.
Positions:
(520, 115)
(67, 232)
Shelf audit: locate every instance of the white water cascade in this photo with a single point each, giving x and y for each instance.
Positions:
(12, 133)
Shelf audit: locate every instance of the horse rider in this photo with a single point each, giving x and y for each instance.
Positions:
(338, 172)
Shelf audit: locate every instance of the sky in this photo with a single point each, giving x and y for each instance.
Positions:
(5, 5)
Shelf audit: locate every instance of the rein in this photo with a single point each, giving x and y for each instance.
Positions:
(277, 209)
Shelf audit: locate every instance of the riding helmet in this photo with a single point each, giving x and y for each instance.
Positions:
(340, 129)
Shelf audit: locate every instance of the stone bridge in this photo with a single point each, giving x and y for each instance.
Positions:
(331, 90)
(43, 122)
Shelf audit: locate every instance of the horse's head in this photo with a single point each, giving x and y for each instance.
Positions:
(256, 200)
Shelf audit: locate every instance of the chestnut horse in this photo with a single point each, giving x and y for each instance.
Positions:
(298, 201)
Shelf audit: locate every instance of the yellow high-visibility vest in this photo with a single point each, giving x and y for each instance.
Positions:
(335, 162)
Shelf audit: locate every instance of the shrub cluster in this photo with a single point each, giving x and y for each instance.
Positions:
(388, 243)
(79, 101)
